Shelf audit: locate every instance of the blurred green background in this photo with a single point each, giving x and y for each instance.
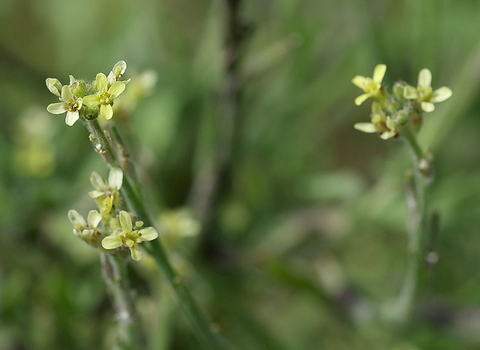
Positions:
(250, 126)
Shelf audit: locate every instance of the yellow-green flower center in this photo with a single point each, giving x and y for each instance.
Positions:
(371, 87)
(73, 105)
(105, 98)
(425, 94)
(131, 238)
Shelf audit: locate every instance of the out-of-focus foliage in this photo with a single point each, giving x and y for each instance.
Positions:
(310, 208)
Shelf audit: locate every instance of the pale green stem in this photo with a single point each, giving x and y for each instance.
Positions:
(200, 324)
(129, 332)
(416, 193)
(124, 159)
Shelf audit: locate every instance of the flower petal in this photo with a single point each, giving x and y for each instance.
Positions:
(95, 194)
(71, 117)
(67, 94)
(360, 99)
(54, 86)
(379, 73)
(359, 81)
(148, 234)
(424, 78)
(428, 106)
(441, 94)
(94, 218)
(116, 89)
(119, 68)
(364, 127)
(111, 79)
(57, 108)
(97, 182)
(106, 111)
(115, 178)
(87, 232)
(91, 100)
(101, 82)
(391, 123)
(75, 218)
(125, 221)
(410, 92)
(387, 135)
(112, 242)
(135, 252)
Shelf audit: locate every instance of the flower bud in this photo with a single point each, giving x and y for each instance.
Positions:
(78, 88)
(400, 117)
(54, 86)
(117, 72)
(398, 88)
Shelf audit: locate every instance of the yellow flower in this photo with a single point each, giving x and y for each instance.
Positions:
(381, 123)
(424, 92)
(106, 193)
(69, 104)
(371, 86)
(105, 95)
(129, 237)
(86, 230)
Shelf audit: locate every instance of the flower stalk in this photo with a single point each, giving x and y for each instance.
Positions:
(87, 102)
(129, 334)
(198, 321)
(400, 115)
(416, 186)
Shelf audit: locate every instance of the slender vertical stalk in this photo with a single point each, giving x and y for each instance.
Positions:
(198, 321)
(124, 159)
(129, 329)
(417, 182)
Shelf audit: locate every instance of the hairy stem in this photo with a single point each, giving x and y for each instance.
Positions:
(198, 321)
(129, 328)
(417, 182)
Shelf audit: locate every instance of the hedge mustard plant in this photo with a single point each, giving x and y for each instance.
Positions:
(111, 229)
(399, 114)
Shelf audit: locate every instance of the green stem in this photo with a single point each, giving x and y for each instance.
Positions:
(102, 146)
(124, 159)
(129, 328)
(198, 321)
(412, 143)
(416, 192)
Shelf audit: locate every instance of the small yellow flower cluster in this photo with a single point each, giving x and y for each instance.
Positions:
(129, 236)
(424, 93)
(406, 105)
(371, 86)
(106, 193)
(111, 228)
(79, 95)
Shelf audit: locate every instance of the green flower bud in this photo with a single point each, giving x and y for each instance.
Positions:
(400, 118)
(91, 112)
(78, 88)
(398, 88)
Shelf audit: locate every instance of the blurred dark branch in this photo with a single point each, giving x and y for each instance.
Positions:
(461, 321)
(210, 181)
